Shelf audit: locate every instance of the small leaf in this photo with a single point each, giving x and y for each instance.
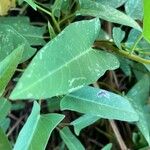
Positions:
(9, 43)
(118, 36)
(33, 34)
(134, 8)
(31, 3)
(4, 107)
(8, 67)
(83, 122)
(100, 103)
(69, 63)
(37, 130)
(70, 140)
(4, 143)
(89, 8)
(138, 96)
(146, 22)
(107, 147)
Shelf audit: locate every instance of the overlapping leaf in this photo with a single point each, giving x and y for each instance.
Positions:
(118, 36)
(65, 64)
(37, 130)
(10, 39)
(100, 103)
(8, 67)
(90, 8)
(33, 34)
(134, 9)
(138, 96)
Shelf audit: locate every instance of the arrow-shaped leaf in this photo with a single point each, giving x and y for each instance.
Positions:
(100, 103)
(90, 8)
(37, 130)
(138, 96)
(65, 64)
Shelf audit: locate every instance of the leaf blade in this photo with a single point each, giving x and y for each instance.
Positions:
(99, 103)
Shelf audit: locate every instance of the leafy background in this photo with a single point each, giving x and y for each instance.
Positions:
(74, 74)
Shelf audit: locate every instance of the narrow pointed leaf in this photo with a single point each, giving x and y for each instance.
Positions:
(90, 8)
(8, 67)
(4, 143)
(70, 140)
(83, 122)
(107, 147)
(37, 130)
(4, 107)
(146, 23)
(100, 103)
(65, 64)
(138, 96)
(31, 3)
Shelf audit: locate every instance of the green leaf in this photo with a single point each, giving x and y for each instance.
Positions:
(37, 130)
(83, 122)
(10, 39)
(89, 8)
(125, 66)
(118, 36)
(5, 123)
(138, 96)
(4, 143)
(134, 9)
(70, 140)
(8, 67)
(56, 8)
(69, 63)
(31, 3)
(4, 107)
(112, 3)
(146, 22)
(100, 103)
(107, 147)
(33, 34)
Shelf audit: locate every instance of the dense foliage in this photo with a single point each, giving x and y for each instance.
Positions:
(74, 74)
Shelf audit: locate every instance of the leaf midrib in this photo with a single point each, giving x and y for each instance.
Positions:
(108, 106)
(55, 70)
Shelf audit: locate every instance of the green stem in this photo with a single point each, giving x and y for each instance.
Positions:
(51, 15)
(136, 42)
(66, 18)
(109, 46)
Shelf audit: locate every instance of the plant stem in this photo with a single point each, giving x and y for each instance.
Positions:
(136, 42)
(51, 15)
(109, 46)
(66, 18)
(118, 136)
